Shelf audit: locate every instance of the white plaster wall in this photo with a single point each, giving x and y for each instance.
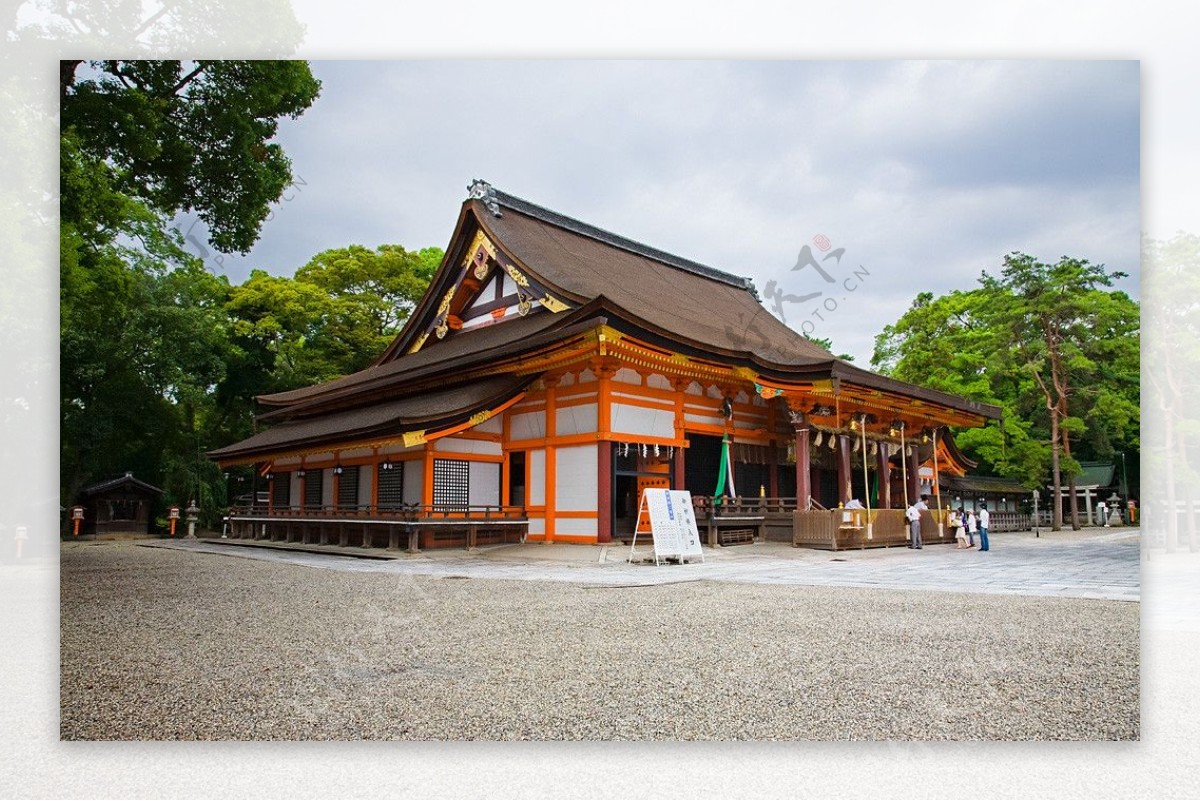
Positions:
(575, 480)
(366, 481)
(457, 445)
(580, 419)
(658, 381)
(484, 488)
(297, 497)
(326, 486)
(579, 527)
(493, 425)
(392, 450)
(414, 478)
(643, 421)
(537, 525)
(627, 375)
(487, 294)
(536, 491)
(528, 425)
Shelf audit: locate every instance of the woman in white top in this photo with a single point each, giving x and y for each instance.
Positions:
(972, 525)
(958, 527)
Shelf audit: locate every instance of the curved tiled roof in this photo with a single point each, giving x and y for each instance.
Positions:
(682, 298)
(425, 410)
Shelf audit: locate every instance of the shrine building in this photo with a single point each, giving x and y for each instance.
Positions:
(554, 370)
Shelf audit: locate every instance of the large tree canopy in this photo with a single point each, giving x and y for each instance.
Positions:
(1052, 344)
(184, 136)
(145, 348)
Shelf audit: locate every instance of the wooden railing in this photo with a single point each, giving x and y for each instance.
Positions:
(389, 514)
(836, 529)
(425, 525)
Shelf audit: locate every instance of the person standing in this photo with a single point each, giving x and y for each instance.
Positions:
(984, 518)
(958, 528)
(921, 506)
(914, 526)
(972, 525)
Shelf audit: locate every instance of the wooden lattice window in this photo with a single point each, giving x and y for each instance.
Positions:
(314, 487)
(348, 488)
(391, 485)
(281, 490)
(451, 483)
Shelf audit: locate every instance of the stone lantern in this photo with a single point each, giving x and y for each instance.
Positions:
(193, 514)
(1114, 511)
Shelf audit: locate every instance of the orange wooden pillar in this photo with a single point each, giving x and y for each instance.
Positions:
(884, 468)
(803, 460)
(914, 480)
(843, 464)
(604, 500)
(551, 454)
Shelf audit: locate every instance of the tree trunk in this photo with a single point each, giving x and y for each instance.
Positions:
(1056, 473)
(1074, 500)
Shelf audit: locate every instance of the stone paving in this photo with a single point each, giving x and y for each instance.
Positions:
(1094, 563)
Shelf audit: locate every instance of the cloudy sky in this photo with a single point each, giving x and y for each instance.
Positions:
(926, 172)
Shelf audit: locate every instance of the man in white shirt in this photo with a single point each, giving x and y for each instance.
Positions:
(984, 518)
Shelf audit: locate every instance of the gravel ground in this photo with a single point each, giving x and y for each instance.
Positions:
(158, 644)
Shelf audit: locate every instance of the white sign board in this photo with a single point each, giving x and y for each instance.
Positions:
(672, 523)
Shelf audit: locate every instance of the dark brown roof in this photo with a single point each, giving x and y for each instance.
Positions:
(435, 409)
(686, 305)
(126, 481)
(682, 298)
(984, 484)
(480, 342)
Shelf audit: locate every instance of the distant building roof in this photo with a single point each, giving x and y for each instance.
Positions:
(126, 481)
(984, 484)
(1096, 474)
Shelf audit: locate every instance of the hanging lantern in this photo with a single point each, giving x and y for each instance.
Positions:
(874, 447)
(819, 439)
(832, 442)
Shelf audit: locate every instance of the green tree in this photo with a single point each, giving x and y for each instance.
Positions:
(1061, 327)
(1050, 344)
(178, 135)
(144, 332)
(334, 317)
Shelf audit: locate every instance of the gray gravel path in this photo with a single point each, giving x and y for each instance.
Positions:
(161, 643)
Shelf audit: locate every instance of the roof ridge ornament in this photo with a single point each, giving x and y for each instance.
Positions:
(480, 189)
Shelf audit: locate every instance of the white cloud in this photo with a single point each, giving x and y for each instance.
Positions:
(927, 172)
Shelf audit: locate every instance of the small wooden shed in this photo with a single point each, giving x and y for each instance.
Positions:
(119, 507)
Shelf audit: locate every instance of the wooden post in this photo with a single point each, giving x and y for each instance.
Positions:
(803, 461)
(366, 536)
(914, 486)
(843, 468)
(393, 538)
(604, 499)
(551, 499)
(413, 543)
(885, 475)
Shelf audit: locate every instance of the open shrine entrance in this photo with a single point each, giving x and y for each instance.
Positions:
(635, 469)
